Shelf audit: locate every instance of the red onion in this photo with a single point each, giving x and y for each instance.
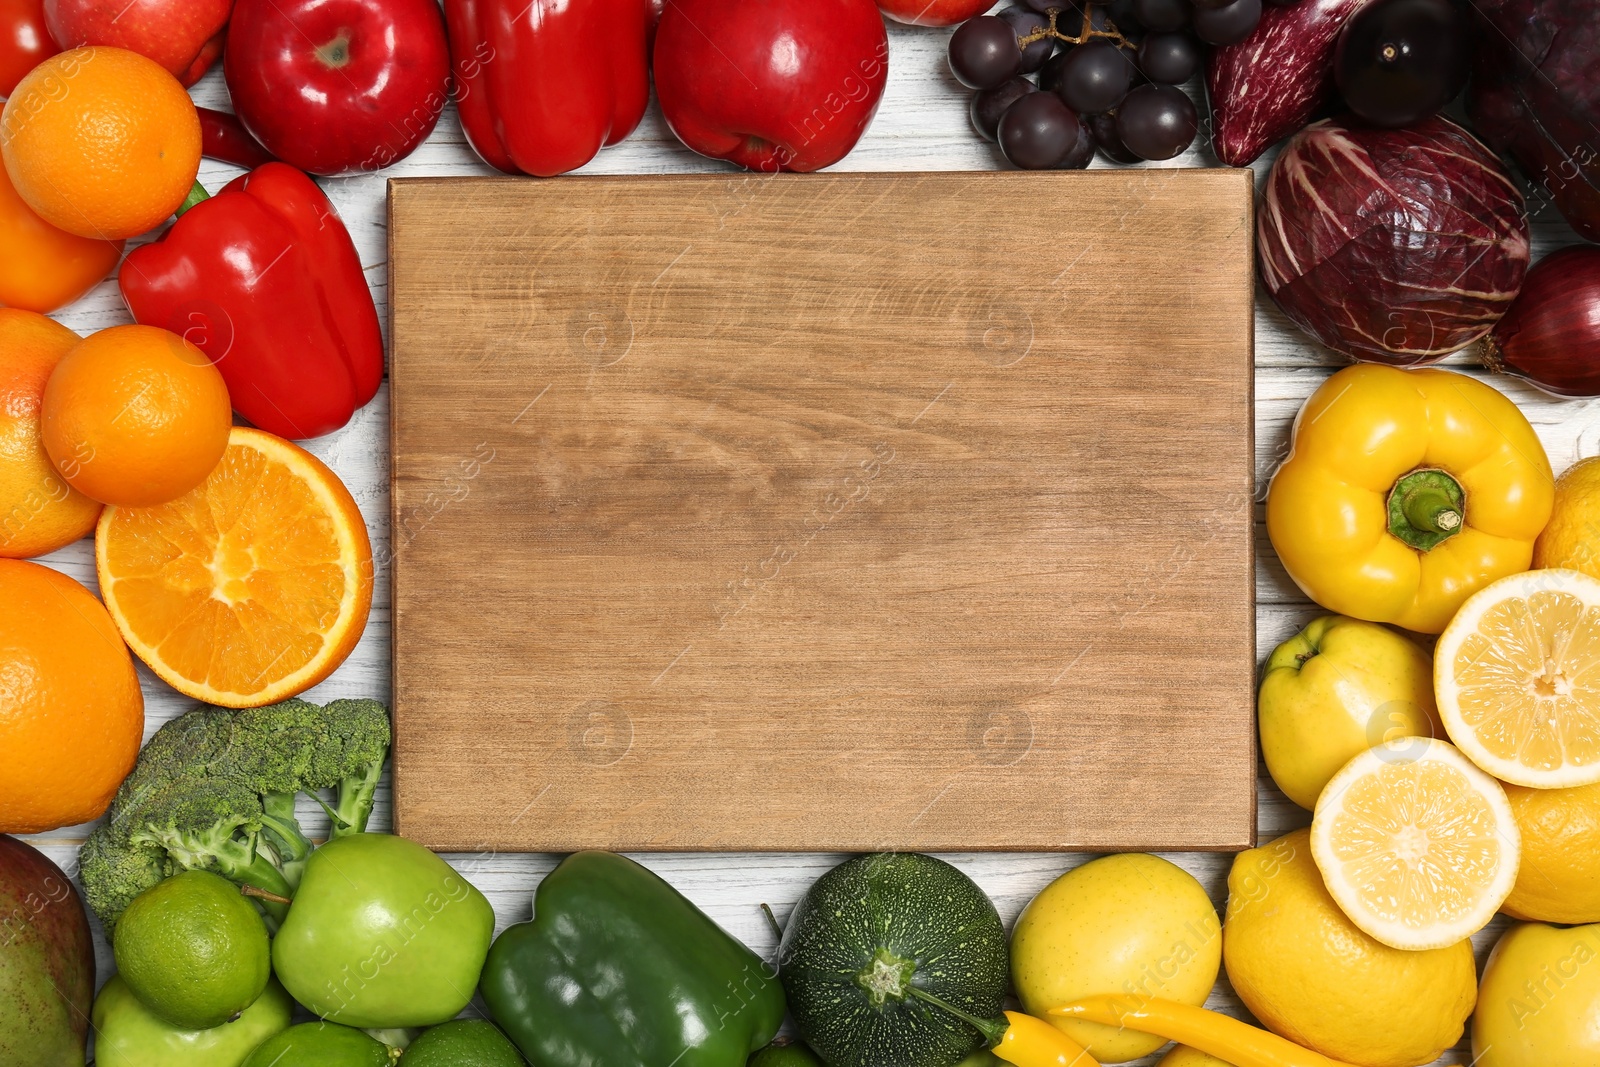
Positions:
(1551, 335)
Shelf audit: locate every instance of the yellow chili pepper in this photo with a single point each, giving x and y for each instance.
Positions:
(1030, 1042)
(1405, 492)
(1211, 1032)
(1018, 1039)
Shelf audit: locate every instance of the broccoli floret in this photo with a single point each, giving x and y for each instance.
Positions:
(361, 728)
(215, 790)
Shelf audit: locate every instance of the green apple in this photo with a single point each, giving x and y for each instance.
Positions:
(127, 1034)
(382, 933)
(1334, 690)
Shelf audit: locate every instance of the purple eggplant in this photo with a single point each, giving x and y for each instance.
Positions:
(1273, 82)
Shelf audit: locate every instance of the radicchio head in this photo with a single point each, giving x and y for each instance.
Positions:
(1397, 246)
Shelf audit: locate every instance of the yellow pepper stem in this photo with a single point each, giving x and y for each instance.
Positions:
(1211, 1032)
(1426, 507)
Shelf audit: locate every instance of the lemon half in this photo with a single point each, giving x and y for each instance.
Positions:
(1517, 677)
(1417, 846)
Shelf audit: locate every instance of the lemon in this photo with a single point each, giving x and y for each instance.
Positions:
(1517, 677)
(193, 950)
(1308, 974)
(1540, 1001)
(1572, 537)
(1184, 1056)
(1120, 924)
(479, 1043)
(1418, 847)
(1559, 881)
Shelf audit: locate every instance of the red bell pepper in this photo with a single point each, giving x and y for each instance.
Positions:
(264, 278)
(541, 86)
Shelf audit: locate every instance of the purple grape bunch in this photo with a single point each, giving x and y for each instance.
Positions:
(1055, 80)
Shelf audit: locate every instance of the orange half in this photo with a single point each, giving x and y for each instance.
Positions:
(248, 589)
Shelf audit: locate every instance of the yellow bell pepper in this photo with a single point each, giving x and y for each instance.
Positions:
(1405, 492)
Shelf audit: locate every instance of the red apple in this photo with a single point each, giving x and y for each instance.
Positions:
(781, 85)
(24, 41)
(185, 36)
(338, 86)
(933, 12)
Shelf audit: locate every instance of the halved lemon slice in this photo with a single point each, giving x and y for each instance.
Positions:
(1517, 676)
(1417, 846)
(248, 589)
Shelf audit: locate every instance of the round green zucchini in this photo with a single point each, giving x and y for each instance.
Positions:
(876, 949)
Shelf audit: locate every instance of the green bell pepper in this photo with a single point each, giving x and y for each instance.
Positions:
(618, 969)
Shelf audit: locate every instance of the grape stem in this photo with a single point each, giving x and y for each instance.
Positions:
(1089, 32)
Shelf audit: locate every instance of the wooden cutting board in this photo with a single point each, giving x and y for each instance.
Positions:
(857, 511)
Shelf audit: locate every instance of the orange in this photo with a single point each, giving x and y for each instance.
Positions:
(101, 142)
(45, 268)
(135, 415)
(71, 714)
(42, 512)
(249, 589)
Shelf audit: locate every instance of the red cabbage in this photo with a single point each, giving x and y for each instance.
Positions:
(1536, 97)
(1398, 246)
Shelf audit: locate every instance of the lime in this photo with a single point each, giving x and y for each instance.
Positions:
(321, 1045)
(463, 1043)
(981, 1058)
(798, 1055)
(193, 950)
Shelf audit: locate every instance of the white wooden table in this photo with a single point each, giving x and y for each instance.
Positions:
(921, 125)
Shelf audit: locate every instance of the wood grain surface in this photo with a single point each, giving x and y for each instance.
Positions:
(801, 513)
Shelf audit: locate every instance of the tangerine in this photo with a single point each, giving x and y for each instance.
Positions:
(42, 512)
(101, 142)
(135, 416)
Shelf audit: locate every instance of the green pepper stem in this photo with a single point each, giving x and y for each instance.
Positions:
(1426, 507)
(1430, 508)
(772, 921)
(993, 1030)
(197, 195)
